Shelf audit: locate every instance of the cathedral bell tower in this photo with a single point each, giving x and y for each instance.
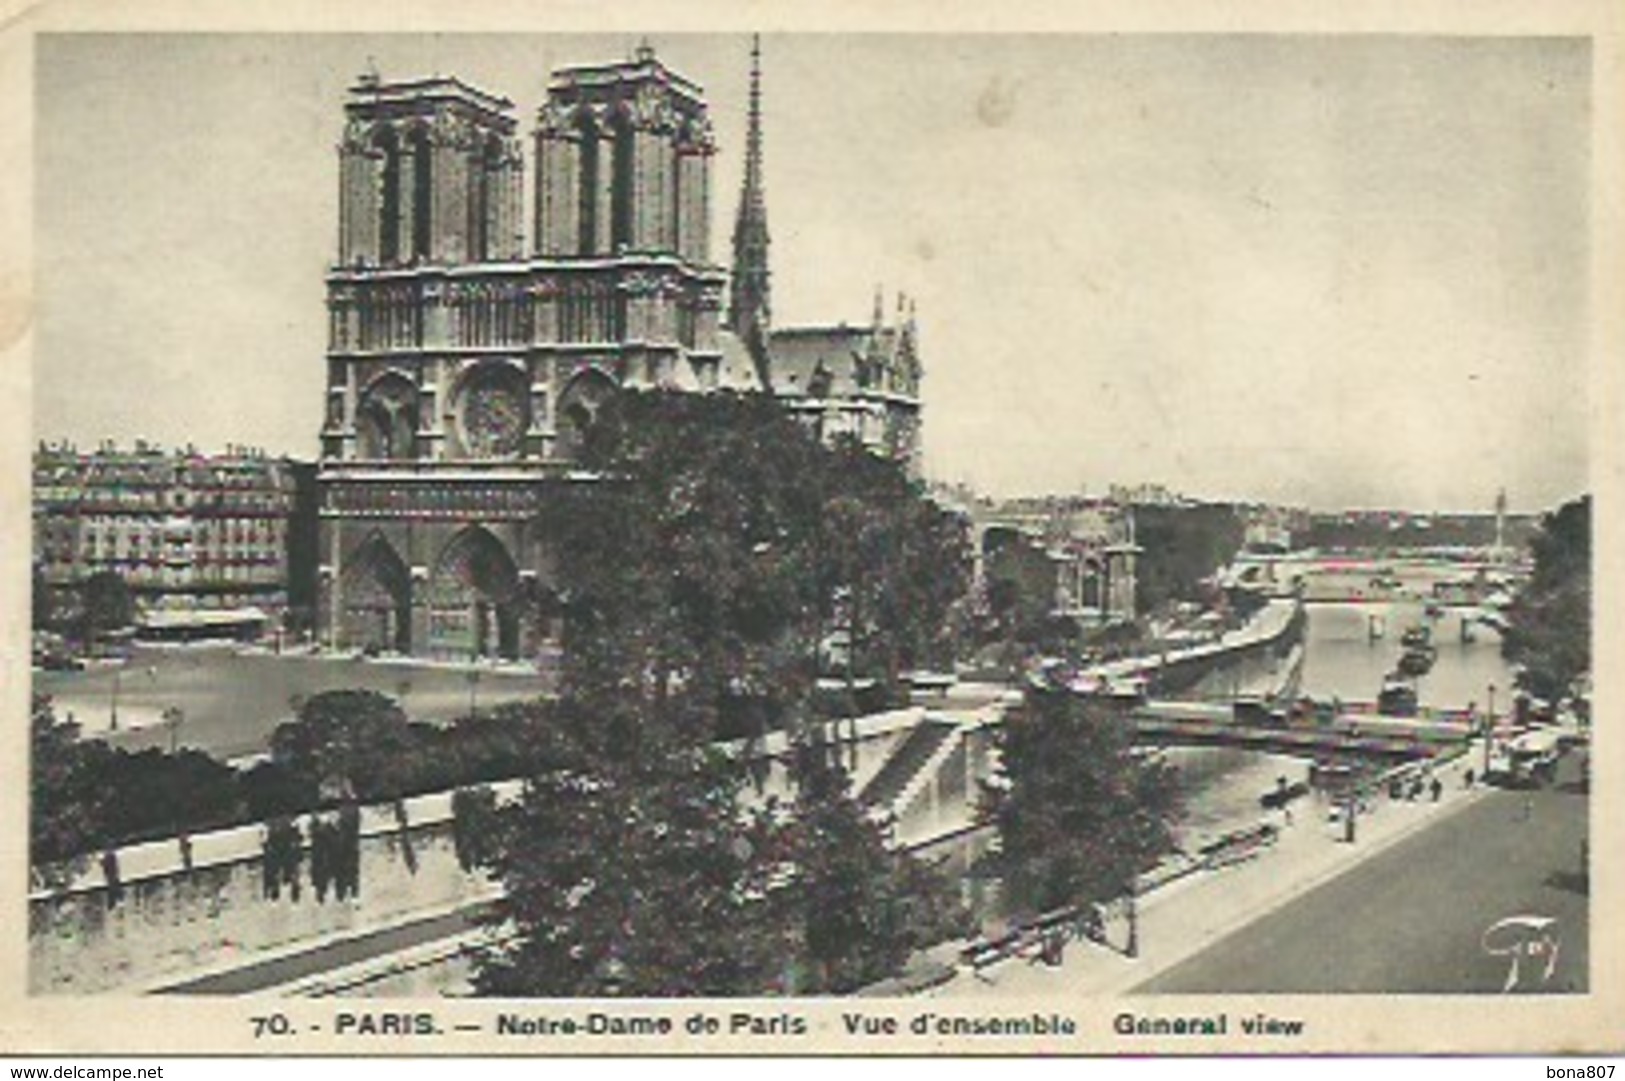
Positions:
(625, 292)
(430, 172)
(432, 444)
(463, 372)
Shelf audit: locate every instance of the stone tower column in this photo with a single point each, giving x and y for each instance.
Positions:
(449, 190)
(358, 196)
(603, 194)
(558, 181)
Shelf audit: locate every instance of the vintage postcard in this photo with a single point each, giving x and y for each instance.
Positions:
(811, 529)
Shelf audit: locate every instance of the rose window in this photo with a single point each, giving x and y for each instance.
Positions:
(494, 413)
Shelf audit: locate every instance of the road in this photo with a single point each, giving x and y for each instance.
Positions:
(1413, 919)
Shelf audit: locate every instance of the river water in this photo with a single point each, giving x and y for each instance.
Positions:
(1343, 660)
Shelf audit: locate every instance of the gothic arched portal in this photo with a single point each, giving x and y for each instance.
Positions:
(375, 599)
(474, 598)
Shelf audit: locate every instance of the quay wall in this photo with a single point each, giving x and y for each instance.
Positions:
(1274, 629)
(179, 911)
(166, 922)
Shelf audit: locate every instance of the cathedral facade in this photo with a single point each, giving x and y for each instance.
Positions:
(465, 363)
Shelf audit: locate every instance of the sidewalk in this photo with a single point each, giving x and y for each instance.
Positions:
(1179, 920)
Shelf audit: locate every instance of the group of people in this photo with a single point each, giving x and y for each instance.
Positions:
(1411, 790)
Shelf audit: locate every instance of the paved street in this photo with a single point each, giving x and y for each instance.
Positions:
(1404, 908)
(1412, 918)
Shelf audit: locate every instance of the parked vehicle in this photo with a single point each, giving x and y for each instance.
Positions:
(1417, 661)
(1398, 697)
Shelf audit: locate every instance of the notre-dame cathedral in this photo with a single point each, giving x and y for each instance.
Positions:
(464, 365)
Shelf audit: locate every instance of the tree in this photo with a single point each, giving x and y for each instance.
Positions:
(690, 565)
(632, 868)
(1079, 813)
(899, 563)
(704, 569)
(106, 604)
(351, 744)
(860, 908)
(63, 800)
(1549, 630)
(725, 543)
(1182, 546)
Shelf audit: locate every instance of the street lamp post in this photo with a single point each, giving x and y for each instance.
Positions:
(174, 716)
(473, 691)
(112, 722)
(1489, 730)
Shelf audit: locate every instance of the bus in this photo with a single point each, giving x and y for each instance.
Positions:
(1526, 760)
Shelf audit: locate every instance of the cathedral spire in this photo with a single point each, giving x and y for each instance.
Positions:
(750, 307)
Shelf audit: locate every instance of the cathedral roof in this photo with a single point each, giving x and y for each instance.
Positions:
(738, 371)
(371, 98)
(642, 65)
(840, 361)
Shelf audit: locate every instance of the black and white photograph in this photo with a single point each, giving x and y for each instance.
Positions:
(776, 538)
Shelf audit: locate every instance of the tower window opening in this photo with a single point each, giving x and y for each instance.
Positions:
(389, 196)
(676, 207)
(622, 190)
(482, 226)
(422, 193)
(588, 195)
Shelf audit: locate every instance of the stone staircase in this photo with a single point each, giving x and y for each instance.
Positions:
(920, 747)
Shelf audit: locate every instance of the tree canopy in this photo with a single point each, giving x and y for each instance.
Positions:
(106, 604)
(725, 545)
(720, 548)
(1079, 812)
(1549, 631)
(632, 868)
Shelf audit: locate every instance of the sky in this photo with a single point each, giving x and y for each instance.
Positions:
(1330, 271)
